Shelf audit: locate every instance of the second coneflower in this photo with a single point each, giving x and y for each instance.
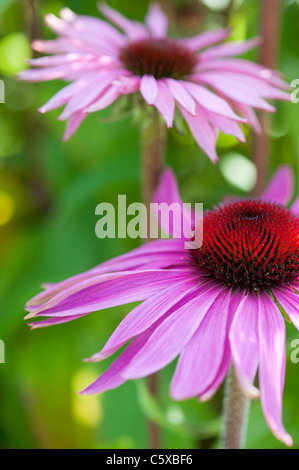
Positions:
(212, 89)
(214, 305)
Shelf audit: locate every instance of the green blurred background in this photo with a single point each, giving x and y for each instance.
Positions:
(48, 194)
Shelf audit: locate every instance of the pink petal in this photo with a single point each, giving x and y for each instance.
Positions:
(108, 97)
(243, 338)
(230, 49)
(165, 103)
(156, 21)
(289, 302)
(73, 124)
(211, 101)
(202, 132)
(281, 187)
(53, 321)
(206, 39)
(235, 90)
(94, 89)
(62, 97)
(251, 117)
(181, 95)
(165, 343)
(149, 88)
(271, 330)
(226, 125)
(200, 360)
(133, 29)
(295, 207)
(244, 67)
(143, 316)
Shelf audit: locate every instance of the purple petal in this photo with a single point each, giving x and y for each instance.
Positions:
(281, 187)
(109, 290)
(201, 358)
(113, 377)
(135, 259)
(243, 338)
(143, 316)
(53, 321)
(156, 21)
(149, 88)
(170, 338)
(271, 330)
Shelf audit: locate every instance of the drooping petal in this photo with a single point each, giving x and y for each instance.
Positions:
(108, 97)
(243, 338)
(211, 101)
(228, 126)
(165, 343)
(235, 90)
(202, 132)
(165, 103)
(156, 21)
(281, 187)
(149, 88)
(94, 88)
(63, 96)
(271, 331)
(73, 124)
(136, 259)
(113, 377)
(201, 358)
(166, 196)
(53, 321)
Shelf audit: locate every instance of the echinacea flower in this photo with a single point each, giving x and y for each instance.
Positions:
(212, 306)
(212, 89)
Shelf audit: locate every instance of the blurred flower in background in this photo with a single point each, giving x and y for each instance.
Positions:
(212, 89)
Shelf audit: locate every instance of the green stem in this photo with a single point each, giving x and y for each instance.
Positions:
(235, 413)
(154, 134)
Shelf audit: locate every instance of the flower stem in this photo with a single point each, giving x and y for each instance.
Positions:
(235, 413)
(270, 19)
(154, 134)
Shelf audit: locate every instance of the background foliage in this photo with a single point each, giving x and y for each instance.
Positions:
(48, 194)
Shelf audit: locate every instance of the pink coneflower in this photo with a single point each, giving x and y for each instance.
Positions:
(212, 89)
(210, 306)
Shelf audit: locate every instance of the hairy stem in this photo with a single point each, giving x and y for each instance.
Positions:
(153, 151)
(235, 413)
(270, 19)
